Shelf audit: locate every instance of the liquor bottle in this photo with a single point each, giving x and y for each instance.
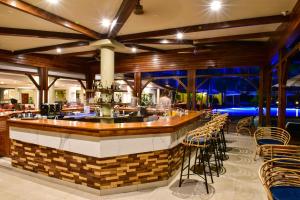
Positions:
(112, 99)
(100, 86)
(94, 85)
(112, 85)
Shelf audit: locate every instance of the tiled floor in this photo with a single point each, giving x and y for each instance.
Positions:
(240, 182)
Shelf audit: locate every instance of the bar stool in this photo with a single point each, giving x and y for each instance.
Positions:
(223, 120)
(201, 141)
(216, 144)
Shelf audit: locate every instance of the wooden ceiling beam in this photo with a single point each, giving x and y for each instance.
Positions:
(146, 48)
(121, 17)
(51, 47)
(162, 41)
(237, 37)
(43, 14)
(5, 51)
(42, 34)
(206, 27)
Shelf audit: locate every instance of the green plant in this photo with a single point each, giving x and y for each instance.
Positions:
(146, 99)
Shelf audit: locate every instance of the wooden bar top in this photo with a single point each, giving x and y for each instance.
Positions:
(168, 125)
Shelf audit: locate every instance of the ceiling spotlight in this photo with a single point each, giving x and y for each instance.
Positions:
(215, 5)
(164, 41)
(133, 50)
(53, 1)
(58, 50)
(179, 36)
(13, 3)
(105, 23)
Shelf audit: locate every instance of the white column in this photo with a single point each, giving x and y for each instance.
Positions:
(157, 96)
(107, 66)
(51, 91)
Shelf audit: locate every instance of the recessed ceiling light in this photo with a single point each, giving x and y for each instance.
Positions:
(58, 50)
(13, 3)
(164, 41)
(179, 35)
(215, 5)
(53, 1)
(105, 23)
(133, 50)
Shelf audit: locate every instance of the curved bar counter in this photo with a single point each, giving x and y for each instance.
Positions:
(102, 156)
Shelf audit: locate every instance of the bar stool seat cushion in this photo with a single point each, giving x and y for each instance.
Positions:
(268, 141)
(196, 141)
(285, 192)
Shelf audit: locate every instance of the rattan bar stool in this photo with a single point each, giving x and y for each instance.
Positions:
(200, 140)
(219, 123)
(215, 143)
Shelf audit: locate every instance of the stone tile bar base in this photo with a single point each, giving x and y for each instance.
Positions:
(95, 172)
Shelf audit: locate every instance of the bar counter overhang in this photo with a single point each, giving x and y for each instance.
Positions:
(102, 156)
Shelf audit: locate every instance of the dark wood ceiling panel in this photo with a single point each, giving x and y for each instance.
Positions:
(237, 37)
(220, 57)
(138, 46)
(81, 53)
(48, 61)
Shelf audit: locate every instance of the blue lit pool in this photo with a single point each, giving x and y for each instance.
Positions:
(253, 111)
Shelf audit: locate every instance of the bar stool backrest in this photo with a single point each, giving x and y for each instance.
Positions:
(270, 152)
(272, 133)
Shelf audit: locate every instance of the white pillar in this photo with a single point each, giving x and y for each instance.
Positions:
(157, 96)
(107, 66)
(51, 91)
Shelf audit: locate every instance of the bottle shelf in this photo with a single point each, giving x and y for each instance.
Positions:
(105, 91)
(109, 103)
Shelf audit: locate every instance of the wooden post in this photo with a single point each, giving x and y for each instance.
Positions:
(43, 86)
(261, 95)
(268, 94)
(282, 79)
(138, 86)
(90, 78)
(191, 89)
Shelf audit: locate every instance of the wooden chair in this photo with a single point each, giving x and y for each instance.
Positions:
(244, 124)
(269, 152)
(281, 178)
(270, 136)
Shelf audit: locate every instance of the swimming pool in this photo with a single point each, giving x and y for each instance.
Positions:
(253, 111)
